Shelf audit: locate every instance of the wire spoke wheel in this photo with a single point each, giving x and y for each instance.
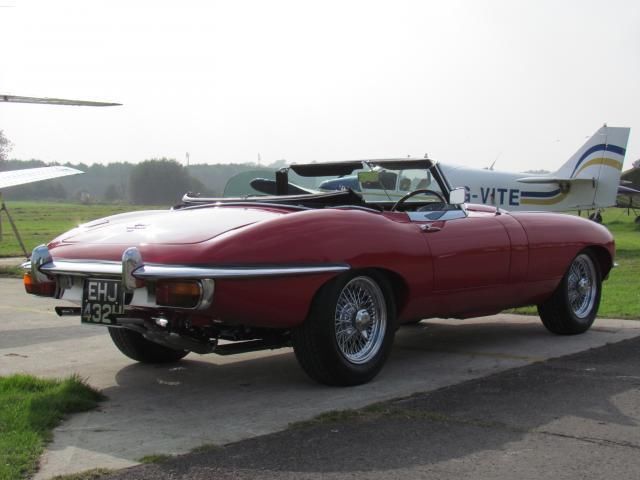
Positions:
(581, 286)
(349, 332)
(360, 320)
(573, 306)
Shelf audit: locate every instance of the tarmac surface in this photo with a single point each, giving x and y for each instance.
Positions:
(575, 417)
(212, 400)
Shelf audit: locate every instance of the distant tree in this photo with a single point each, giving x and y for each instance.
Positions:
(112, 193)
(160, 181)
(278, 163)
(5, 146)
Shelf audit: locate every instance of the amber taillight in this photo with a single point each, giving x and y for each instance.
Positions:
(44, 289)
(179, 293)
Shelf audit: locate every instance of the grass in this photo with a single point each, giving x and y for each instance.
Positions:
(376, 411)
(29, 410)
(11, 271)
(40, 222)
(621, 291)
(92, 474)
(156, 458)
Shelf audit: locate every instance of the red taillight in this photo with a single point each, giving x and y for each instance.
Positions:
(181, 294)
(44, 289)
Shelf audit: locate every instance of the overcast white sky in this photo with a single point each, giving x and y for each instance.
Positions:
(466, 81)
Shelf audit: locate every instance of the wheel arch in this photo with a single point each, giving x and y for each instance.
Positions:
(397, 283)
(603, 257)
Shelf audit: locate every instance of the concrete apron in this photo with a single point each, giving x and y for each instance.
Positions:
(172, 409)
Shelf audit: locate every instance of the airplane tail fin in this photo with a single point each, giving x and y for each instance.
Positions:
(600, 161)
(606, 147)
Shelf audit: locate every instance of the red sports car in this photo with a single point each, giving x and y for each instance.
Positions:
(329, 258)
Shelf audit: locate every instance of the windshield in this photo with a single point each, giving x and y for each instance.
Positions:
(374, 183)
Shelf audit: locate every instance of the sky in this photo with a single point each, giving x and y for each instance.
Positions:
(522, 83)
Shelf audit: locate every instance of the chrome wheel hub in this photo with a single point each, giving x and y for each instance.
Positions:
(581, 286)
(360, 320)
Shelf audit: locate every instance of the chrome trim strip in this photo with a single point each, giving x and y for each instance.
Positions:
(446, 215)
(169, 271)
(215, 203)
(84, 268)
(148, 271)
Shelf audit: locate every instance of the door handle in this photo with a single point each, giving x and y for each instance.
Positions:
(429, 228)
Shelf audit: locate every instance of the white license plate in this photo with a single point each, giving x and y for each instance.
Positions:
(102, 300)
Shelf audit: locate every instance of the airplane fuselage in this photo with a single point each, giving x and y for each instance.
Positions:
(504, 190)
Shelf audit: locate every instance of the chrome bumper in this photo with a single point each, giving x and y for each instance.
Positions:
(132, 267)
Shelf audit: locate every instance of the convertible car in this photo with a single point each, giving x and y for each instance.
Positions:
(332, 272)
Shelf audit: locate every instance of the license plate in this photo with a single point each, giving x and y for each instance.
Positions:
(101, 300)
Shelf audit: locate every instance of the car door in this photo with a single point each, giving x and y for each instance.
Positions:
(471, 254)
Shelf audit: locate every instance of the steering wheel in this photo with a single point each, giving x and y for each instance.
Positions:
(418, 192)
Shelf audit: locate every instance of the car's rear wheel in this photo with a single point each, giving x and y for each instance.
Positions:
(349, 332)
(573, 306)
(138, 348)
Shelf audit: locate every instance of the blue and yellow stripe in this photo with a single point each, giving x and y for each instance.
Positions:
(542, 198)
(602, 147)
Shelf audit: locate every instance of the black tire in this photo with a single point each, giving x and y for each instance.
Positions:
(138, 348)
(596, 217)
(336, 324)
(574, 305)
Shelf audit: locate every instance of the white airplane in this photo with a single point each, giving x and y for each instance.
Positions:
(13, 178)
(54, 101)
(589, 180)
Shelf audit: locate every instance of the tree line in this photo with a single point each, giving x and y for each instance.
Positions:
(159, 181)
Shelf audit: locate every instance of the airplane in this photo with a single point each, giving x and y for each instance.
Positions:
(55, 101)
(23, 176)
(629, 192)
(588, 180)
(12, 178)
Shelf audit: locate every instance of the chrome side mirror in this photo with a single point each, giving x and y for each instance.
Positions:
(457, 196)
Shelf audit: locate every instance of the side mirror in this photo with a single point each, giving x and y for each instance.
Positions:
(457, 196)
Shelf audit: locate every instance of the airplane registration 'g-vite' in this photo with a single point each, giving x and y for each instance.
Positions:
(589, 180)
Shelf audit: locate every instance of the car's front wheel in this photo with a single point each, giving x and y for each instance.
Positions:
(349, 332)
(573, 306)
(138, 348)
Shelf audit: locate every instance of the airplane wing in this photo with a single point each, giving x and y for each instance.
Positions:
(12, 178)
(628, 197)
(622, 190)
(55, 101)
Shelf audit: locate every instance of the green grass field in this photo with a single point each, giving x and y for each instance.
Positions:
(621, 293)
(29, 409)
(40, 222)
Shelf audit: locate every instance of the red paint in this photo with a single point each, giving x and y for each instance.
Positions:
(475, 265)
